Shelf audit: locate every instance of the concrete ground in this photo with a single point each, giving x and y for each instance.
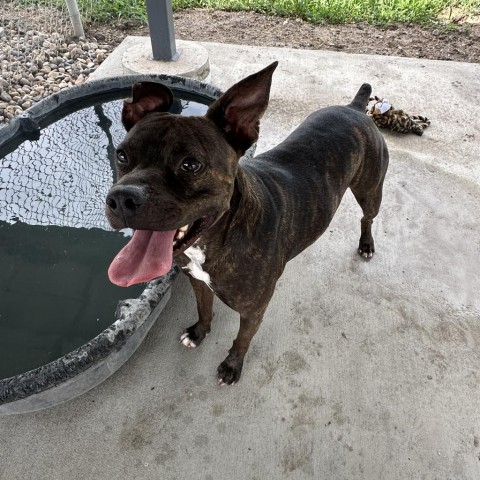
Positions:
(360, 370)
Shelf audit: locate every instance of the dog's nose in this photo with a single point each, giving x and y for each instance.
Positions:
(126, 199)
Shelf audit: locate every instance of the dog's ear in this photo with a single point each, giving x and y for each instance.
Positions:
(147, 97)
(239, 110)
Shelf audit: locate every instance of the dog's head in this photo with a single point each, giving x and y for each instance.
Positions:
(176, 174)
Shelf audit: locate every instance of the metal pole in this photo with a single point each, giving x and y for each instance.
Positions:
(162, 31)
(75, 18)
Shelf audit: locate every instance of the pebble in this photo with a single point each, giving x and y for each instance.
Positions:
(37, 64)
(5, 97)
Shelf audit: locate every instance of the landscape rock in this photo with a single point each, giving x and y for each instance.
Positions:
(36, 63)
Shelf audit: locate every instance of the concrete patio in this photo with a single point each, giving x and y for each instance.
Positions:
(361, 370)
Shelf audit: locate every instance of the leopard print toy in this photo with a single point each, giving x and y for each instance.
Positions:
(385, 115)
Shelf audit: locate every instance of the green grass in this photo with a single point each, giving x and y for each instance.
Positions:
(341, 11)
(317, 11)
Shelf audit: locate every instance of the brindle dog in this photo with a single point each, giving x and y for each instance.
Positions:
(234, 225)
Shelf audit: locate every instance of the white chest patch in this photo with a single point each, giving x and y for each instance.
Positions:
(197, 259)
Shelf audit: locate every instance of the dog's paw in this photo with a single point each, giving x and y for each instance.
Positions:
(229, 374)
(186, 341)
(366, 251)
(366, 246)
(192, 336)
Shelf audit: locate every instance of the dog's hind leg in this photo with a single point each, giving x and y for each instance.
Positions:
(367, 186)
(369, 197)
(193, 336)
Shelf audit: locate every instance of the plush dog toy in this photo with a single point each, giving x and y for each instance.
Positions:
(385, 115)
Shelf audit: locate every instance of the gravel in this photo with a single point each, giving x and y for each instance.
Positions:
(35, 64)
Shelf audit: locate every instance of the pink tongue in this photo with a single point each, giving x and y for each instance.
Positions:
(146, 256)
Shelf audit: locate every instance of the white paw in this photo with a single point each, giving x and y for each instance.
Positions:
(222, 383)
(186, 341)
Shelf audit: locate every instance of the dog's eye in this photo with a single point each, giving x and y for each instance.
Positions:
(191, 165)
(121, 156)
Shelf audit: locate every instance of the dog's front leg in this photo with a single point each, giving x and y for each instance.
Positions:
(230, 369)
(193, 336)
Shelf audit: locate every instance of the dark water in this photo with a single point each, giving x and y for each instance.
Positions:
(55, 243)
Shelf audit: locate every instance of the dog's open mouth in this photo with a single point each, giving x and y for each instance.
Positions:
(149, 254)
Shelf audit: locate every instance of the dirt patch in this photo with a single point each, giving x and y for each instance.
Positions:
(246, 28)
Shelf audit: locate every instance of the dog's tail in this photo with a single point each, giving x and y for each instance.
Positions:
(362, 98)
